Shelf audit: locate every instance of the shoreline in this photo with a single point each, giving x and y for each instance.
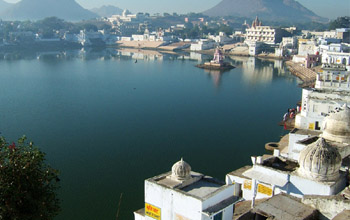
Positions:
(59, 46)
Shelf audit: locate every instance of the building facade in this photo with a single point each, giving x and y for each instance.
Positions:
(266, 34)
(332, 90)
(186, 195)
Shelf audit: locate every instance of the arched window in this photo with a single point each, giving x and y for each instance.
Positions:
(344, 61)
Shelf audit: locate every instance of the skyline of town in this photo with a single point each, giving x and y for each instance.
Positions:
(320, 7)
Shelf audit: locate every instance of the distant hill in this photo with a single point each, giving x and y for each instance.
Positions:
(38, 9)
(4, 5)
(107, 11)
(272, 10)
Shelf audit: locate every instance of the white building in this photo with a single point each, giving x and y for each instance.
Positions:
(254, 47)
(332, 90)
(290, 42)
(220, 39)
(306, 47)
(300, 138)
(125, 17)
(330, 34)
(203, 44)
(315, 171)
(265, 34)
(336, 58)
(186, 195)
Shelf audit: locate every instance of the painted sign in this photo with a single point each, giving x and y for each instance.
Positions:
(264, 190)
(311, 126)
(152, 211)
(247, 184)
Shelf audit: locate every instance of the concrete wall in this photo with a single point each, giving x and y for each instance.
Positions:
(175, 204)
(138, 216)
(171, 202)
(300, 186)
(329, 207)
(225, 193)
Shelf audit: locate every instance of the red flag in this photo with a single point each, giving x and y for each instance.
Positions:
(285, 126)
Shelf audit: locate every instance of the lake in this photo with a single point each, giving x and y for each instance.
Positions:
(109, 119)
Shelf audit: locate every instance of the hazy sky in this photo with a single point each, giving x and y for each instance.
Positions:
(324, 8)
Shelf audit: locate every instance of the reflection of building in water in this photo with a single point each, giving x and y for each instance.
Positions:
(49, 55)
(254, 72)
(141, 54)
(278, 64)
(216, 76)
(194, 56)
(90, 54)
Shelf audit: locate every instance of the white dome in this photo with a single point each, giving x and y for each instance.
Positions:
(181, 170)
(319, 161)
(337, 126)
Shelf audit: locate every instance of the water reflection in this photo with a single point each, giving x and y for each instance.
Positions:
(260, 71)
(117, 126)
(255, 70)
(215, 75)
(91, 54)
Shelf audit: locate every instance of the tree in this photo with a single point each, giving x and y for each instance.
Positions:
(89, 27)
(340, 22)
(28, 186)
(52, 23)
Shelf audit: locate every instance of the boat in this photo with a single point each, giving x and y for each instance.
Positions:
(217, 63)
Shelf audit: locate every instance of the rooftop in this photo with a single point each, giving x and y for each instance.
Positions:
(285, 207)
(203, 188)
(305, 132)
(281, 164)
(198, 186)
(239, 172)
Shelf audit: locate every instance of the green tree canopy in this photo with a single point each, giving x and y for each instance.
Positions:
(28, 186)
(340, 22)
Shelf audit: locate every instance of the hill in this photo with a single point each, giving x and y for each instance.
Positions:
(4, 5)
(38, 9)
(272, 10)
(107, 11)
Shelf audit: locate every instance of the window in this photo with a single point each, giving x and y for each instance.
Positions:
(218, 216)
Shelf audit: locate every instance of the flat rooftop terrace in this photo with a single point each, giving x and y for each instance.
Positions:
(198, 185)
(203, 187)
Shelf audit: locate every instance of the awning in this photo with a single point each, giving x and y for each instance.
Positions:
(220, 206)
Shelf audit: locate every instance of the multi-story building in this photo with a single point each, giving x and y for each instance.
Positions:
(307, 46)
(127, 23)
(203, 44)
(343, 34)
(332, 90)
(266, 34)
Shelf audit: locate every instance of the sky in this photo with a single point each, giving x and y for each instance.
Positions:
(324, 8)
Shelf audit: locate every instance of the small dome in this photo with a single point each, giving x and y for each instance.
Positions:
(181, 170)
(320, 161)
(337, 126)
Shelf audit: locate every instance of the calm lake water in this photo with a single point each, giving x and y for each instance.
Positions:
(108, 122)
